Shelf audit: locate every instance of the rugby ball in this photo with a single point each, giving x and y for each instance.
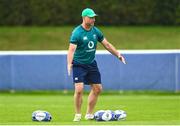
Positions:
(104, 115)
(40, 115)
(108, 115)
(98, 115)
(120, 114)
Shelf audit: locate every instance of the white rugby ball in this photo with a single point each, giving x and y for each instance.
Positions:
(104, 115)
(98, 115)
(120, 114)
(107, 116)
(40, 115)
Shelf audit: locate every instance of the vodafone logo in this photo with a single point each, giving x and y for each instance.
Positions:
(91, 44)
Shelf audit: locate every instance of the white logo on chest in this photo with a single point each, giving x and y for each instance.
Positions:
(85, 38)
(91, 44)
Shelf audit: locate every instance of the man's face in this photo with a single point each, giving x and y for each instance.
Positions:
(89, 21)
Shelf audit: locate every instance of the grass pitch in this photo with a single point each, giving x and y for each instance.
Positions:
(143, 109)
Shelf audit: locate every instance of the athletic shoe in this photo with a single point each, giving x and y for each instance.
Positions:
(77, 117)
(89, 117)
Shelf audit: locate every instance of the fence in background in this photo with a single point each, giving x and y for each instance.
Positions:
(46, 70)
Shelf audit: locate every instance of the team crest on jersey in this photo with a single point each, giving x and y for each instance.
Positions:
(85, 38)
(94, 36)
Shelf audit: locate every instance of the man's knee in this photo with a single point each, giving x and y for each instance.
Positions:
(97, 89)
(79, 88)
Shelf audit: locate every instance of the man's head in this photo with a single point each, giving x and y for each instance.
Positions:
(88, 16)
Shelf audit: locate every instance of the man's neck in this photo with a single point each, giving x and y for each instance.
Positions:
(86, 27)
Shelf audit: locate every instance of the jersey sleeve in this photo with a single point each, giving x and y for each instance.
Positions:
(100, 35)
(73, 38)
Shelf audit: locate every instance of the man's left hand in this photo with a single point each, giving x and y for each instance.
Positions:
(122, 59)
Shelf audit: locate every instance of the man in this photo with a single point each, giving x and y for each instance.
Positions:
(80, 58)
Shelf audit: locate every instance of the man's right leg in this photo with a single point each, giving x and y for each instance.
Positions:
(78, 100)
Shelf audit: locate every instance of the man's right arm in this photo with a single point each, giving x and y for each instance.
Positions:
(70, 55)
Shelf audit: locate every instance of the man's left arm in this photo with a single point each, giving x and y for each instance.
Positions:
(108, 46)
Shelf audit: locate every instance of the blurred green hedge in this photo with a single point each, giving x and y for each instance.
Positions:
(68, 12)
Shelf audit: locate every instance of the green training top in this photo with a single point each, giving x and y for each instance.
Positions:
(86, 42)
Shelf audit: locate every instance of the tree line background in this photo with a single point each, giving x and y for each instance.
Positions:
(68, 12)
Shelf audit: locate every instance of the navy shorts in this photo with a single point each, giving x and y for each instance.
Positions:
(86, 73)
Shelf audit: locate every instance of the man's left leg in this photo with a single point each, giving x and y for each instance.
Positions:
(92, 99)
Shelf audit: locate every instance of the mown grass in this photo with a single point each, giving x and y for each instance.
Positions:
(57, 38)
(143, 109)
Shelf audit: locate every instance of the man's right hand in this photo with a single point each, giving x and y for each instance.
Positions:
(71, 50)
(69, 68)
